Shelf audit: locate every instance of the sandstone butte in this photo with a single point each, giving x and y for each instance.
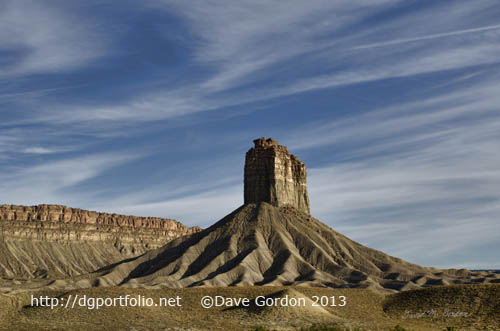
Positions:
(275, 176)
(55, 240)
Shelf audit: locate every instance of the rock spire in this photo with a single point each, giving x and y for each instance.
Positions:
(275, 176)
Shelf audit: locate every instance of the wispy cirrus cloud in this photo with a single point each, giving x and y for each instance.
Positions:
(436, 115)
(428, 37)
(41, 150)
(38, 38)
(48, 182)
(241, 40)
(202, 209)
(246, 50)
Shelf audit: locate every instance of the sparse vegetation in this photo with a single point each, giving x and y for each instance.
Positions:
(365, 309)
(262, 328)
(324, 327)
(314, 327)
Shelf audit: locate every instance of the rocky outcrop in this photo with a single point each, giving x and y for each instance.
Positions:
(58, 213)
(58, 241)
(275, 176)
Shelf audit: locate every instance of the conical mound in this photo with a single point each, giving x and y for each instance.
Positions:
(261, 244)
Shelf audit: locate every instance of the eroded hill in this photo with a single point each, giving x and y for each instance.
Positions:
(58, 241)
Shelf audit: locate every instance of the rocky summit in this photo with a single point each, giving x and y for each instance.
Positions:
(57, 241)
(270, 240)
(275, 176)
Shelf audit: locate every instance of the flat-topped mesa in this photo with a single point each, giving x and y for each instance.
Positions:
(63, 214)
(56, 241)
(275, 176)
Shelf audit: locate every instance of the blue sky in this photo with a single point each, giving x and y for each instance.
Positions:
(147, 108)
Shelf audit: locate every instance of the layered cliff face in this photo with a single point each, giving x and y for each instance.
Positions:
(275, 176)
(55, 241)
(63, 214)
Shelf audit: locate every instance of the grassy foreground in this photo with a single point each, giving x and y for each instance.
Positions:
(464, 307)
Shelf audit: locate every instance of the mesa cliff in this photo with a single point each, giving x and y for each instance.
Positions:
(58, 213)
(55, 241)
